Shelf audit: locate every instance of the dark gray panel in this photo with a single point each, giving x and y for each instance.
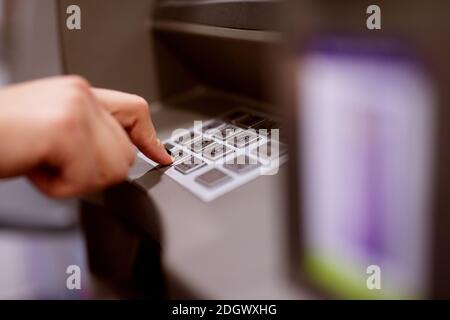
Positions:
(251, 15)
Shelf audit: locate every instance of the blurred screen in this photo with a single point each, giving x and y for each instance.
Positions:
(366, 115)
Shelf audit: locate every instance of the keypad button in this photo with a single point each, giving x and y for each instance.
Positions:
(190, 165)
(216, 152)
(185, 139)
(243, 139)
(265, 127)
(226, 132)
(250, 121)
(280, 135)
(200, 144)
(213, 178)
(269, 150)
(242, 164)
(215, 124)
(178, 155)
(169, 147)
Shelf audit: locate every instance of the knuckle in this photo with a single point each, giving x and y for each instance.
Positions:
(73, 106)
(77, 82)
(142, 106)
(76, 96)
(76, 92)
(69, 118)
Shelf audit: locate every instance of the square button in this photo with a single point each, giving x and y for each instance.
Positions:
(178, 155)
(190, 165)
(226, 132)
(185, 139)
(200, 144)
(169, 147)
(269, 150)
(242, 164)
(213, 178)
(214, 124)
(216, 152)
(243, 139)
(270, 125)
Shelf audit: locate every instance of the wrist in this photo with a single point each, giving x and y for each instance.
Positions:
(23, 145)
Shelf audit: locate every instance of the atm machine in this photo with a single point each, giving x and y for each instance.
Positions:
(170, 232)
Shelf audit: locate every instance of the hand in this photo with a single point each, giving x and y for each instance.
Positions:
(70, 139)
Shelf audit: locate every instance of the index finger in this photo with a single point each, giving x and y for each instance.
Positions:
(132, 112)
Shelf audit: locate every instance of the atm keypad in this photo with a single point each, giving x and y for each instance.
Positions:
(223, 154)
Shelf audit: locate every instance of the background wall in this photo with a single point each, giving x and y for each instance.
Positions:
(108, 51)
(32, 39)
